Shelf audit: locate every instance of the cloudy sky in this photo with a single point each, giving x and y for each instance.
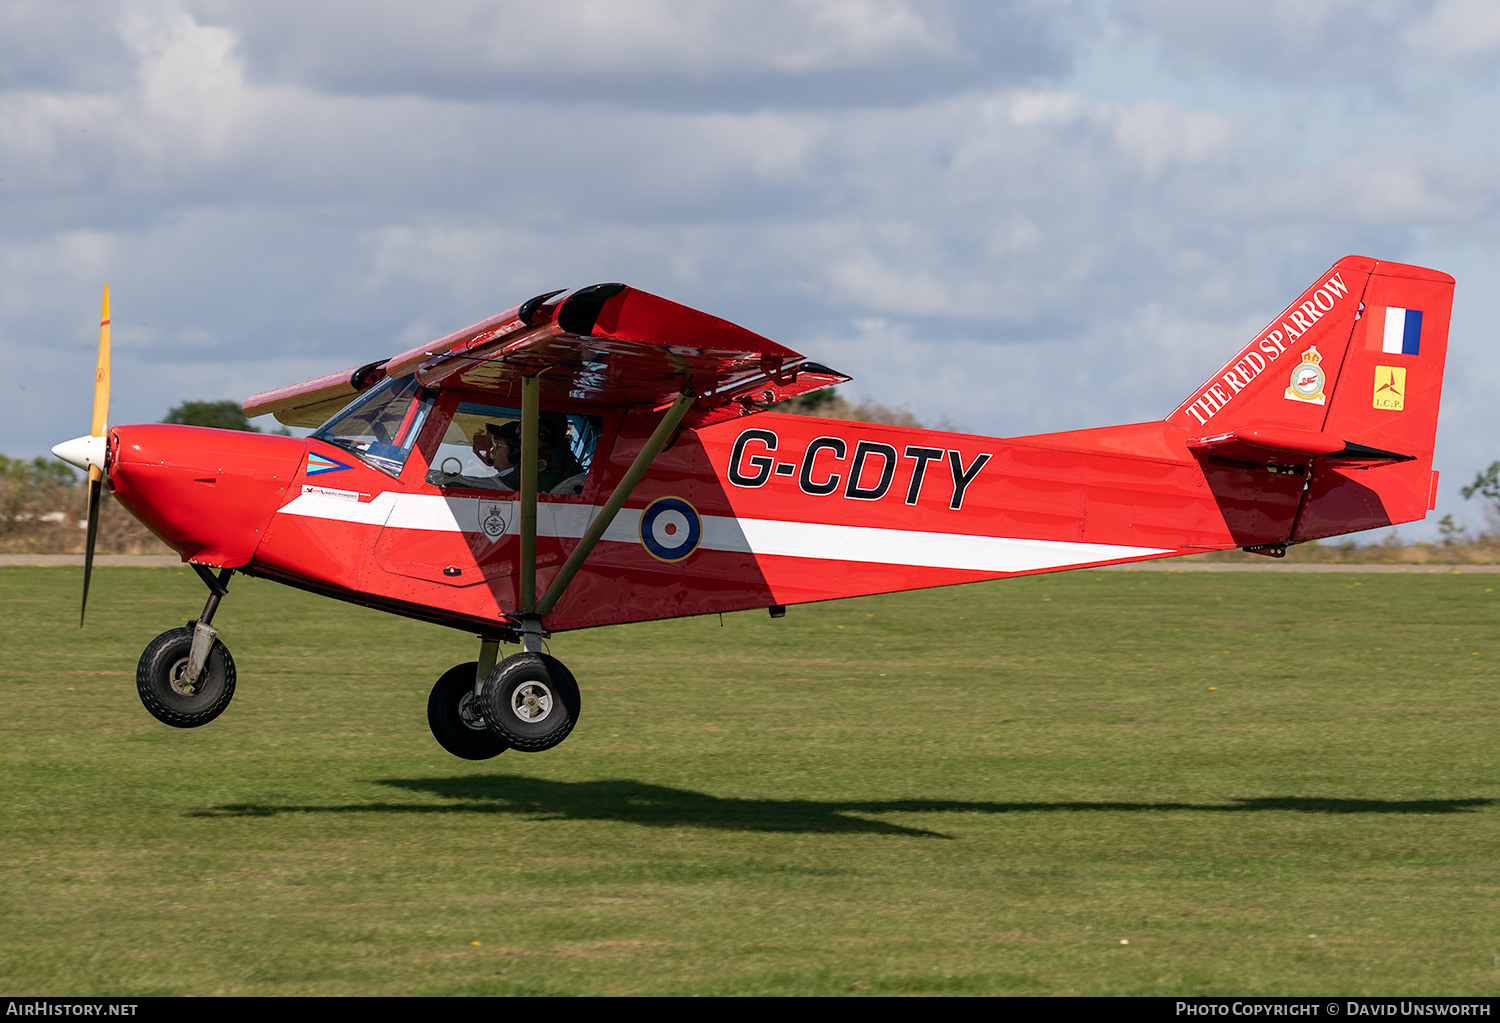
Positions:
(1018, 217)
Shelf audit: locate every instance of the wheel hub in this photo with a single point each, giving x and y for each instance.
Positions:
(180, 687)
(531, 702)
(468, 713)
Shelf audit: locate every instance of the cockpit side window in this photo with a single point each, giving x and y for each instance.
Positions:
(381, 425)
(481, 450)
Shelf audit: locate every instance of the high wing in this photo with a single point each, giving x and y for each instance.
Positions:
(312, 402)
(607, 343)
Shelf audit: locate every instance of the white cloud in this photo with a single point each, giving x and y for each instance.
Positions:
(1457, 28)
(600, 38)
(191, 91)
(613, 51)
(1157, 134)
(1420, 56)
(1288, 41)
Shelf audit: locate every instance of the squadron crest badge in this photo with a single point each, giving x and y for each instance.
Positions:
(1308, 378)
(492, 520)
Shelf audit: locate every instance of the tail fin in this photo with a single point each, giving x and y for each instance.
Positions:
(1357, 359)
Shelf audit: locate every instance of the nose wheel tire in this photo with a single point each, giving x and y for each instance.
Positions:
(531, 701)
(456, 718)
(171, 700)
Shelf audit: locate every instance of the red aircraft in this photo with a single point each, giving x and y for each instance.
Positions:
(605, 456)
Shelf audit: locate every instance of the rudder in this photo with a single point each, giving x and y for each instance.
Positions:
(1387, 396)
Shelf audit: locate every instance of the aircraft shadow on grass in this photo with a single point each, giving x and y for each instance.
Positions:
(635, 802)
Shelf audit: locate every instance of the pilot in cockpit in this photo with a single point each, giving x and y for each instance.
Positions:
(498, 446)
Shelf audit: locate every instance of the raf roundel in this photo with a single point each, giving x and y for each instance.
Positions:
(670, 529)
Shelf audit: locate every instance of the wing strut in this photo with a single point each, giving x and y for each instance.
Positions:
(617, 499)
(530, 416)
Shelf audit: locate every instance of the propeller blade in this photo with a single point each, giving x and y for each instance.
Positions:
(99, 428)
(96, 488)
(101, 374)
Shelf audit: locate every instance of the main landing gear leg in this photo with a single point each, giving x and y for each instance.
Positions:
(530, 699)
(454, 710)
(186, 677)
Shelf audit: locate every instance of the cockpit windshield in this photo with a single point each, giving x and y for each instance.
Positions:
(382, 425)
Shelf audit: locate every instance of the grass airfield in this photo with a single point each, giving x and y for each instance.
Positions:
(1090, 783)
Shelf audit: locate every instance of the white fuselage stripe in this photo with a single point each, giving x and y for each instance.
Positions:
(770, 537)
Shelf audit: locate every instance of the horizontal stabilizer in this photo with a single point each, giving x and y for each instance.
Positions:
(1281, 445)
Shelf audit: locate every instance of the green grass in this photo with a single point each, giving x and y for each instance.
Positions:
(982, 789)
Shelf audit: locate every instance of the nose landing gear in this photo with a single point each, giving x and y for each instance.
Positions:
(185, 677)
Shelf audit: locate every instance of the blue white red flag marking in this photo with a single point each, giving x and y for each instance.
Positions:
(1396, 331)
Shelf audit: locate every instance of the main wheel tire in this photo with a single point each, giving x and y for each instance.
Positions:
(457, 719)
(158, 679)
(532, 701)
